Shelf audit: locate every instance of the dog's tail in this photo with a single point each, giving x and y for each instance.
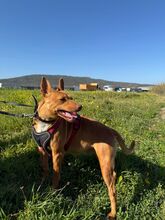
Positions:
(125, 149)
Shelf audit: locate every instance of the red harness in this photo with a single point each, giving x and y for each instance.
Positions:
(75, 128)
(43, 138)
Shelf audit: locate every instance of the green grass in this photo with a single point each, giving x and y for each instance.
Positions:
(82, 194)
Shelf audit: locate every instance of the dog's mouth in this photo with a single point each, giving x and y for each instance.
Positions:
(68, 116)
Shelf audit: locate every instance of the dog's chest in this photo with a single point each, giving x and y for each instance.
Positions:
(41, 126)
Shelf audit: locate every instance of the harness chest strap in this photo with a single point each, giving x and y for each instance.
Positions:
(43, 138)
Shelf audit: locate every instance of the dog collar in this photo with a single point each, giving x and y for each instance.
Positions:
(36, 115)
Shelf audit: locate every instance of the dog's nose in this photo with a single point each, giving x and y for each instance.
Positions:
(79, 108)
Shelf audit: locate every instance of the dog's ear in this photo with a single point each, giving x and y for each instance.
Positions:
(45, 86)
(60, 84)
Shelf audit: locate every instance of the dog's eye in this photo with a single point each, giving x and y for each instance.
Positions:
(63, 99)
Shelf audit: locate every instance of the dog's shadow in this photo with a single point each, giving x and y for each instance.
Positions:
(148, 175)
(85, 170)
(18, 175)
(17, 172)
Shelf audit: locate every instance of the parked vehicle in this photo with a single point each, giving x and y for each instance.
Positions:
(107, 88)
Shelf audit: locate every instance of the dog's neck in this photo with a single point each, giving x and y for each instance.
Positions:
(41, 124)
(45, 120)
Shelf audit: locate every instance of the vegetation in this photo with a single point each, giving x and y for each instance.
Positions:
(159, 89)
(82, 194)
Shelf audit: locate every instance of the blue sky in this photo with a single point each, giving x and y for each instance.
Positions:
(118, 40)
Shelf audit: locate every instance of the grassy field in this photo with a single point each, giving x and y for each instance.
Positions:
(82, 194)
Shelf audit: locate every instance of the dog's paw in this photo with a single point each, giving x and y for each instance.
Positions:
(111, 217)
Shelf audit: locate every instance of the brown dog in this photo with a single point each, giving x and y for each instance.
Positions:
(57, 113)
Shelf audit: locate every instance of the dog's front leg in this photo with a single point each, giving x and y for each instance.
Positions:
(44, 162)
(57, 158)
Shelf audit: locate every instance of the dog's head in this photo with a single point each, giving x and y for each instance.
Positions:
(56, 103)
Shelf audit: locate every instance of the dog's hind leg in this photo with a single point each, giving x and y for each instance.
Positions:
(106, 156)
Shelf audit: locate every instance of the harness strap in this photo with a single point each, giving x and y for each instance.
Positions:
(76, 126)
(55, 126)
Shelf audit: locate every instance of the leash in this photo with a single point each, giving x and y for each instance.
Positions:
(15, 103)
(23, 115)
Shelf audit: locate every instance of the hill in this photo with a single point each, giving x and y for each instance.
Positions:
(70, 81)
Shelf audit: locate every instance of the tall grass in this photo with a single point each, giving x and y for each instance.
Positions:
(159, 89)
(82, 194)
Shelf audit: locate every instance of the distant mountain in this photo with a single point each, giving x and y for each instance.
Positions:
(31, 81)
